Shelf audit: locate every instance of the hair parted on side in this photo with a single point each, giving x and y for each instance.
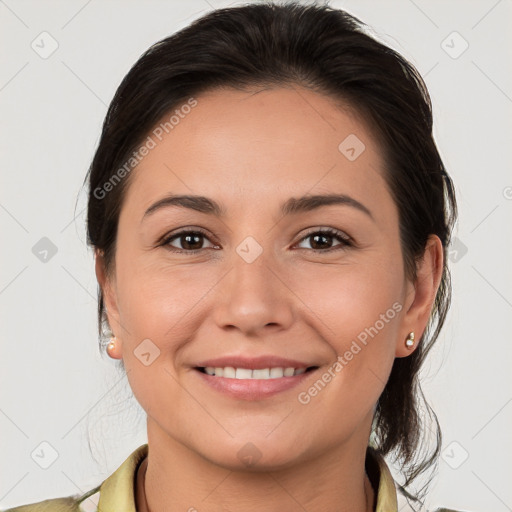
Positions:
(329, 51)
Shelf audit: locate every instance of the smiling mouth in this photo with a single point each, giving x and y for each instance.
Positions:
(229, 372)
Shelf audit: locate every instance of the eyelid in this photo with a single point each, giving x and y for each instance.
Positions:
(326, 229)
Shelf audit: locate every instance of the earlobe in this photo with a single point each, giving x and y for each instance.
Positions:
(428, 277)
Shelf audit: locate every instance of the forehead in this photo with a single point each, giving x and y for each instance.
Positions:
(249, 147)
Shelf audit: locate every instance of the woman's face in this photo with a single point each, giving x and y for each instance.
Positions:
(262, 282)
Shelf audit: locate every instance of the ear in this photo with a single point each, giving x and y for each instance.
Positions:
(109, 299)
(421, 294)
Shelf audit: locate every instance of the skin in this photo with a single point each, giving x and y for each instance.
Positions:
(250, 152)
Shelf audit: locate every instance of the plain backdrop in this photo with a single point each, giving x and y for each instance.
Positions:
(62, 404)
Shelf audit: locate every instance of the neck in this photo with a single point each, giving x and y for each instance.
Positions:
(174, 474)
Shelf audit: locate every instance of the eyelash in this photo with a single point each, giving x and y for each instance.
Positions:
(345, 240)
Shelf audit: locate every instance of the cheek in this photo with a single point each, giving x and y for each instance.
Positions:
(345, 300)
(357, 310)
(159, 301)
(348, 299)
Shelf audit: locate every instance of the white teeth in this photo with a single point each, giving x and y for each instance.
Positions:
(264, 373)
(276, 373)
(245, 373)
(229, 372)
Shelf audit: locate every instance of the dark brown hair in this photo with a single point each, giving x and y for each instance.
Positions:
(328, 51)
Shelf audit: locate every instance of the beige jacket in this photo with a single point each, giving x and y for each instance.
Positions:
(117, 492)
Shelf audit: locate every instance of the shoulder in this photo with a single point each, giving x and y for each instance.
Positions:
(448, 510)
(405, 506)
(117, 488)
(69, 504)
(391, 496)
(86, 502)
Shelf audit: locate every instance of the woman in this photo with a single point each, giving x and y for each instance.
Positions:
(270, 218)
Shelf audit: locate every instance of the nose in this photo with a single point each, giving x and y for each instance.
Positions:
(254, 297)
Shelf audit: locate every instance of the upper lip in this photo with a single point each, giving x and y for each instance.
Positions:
(253, 363)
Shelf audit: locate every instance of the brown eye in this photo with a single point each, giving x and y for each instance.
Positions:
(189, 241)
(322, 240)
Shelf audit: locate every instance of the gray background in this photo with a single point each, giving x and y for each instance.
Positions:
(55, 386)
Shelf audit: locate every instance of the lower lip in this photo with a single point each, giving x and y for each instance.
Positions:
(253, 389)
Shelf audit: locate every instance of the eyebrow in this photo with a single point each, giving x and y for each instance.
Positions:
(292, 206)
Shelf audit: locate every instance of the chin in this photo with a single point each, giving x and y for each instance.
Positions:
(258, 455)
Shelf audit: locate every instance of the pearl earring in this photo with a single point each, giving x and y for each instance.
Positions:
(409, 342)
(111, 346)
